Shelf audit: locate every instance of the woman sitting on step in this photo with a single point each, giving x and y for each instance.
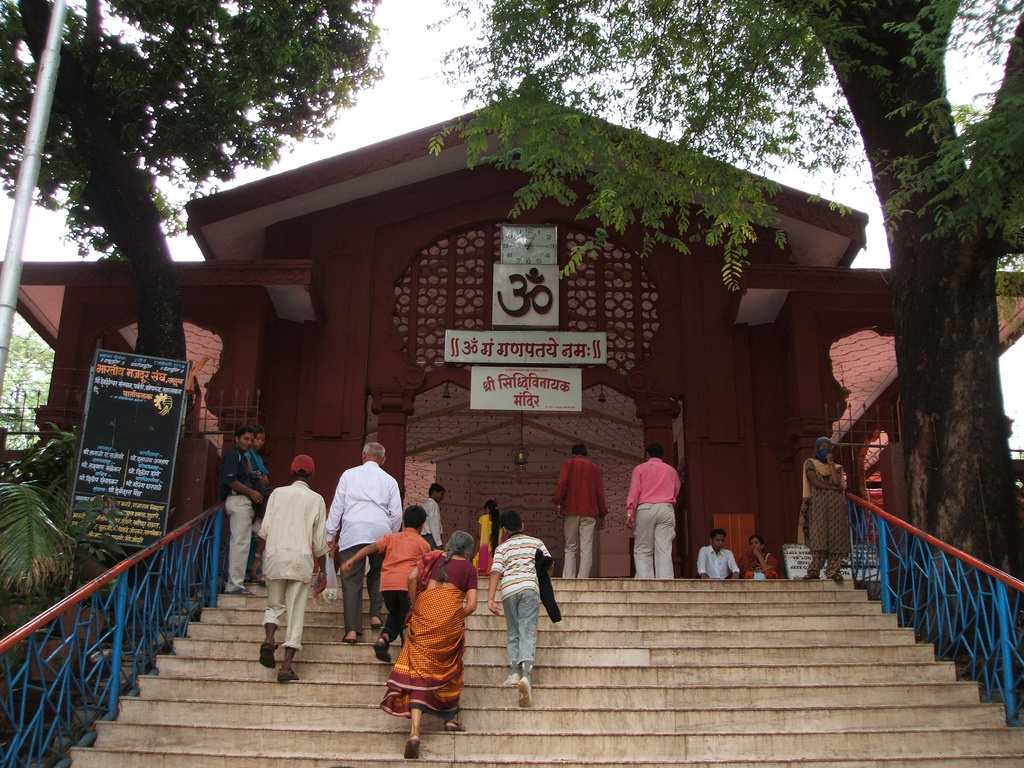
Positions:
(758, 563)
(428, 673)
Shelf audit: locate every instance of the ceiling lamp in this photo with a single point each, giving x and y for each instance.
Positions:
(519, 456)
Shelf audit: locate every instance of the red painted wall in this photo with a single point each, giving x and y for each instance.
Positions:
(752, 398)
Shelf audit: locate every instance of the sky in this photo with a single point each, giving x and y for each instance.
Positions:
(414, 93)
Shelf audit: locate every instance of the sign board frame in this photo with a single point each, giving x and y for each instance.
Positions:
(134, 387)
(531, 390)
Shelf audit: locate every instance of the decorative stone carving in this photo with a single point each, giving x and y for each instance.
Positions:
(448, 285)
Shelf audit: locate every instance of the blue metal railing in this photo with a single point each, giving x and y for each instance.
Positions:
(66, 668)
(972, 613)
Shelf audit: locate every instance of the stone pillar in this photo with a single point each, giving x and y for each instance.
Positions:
(393, 411)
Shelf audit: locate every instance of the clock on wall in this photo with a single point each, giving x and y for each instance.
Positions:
(529, 245)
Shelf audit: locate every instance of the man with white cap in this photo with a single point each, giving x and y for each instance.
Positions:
(294, 527)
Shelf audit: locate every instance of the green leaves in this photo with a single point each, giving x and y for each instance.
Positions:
(194, 89)
(623, 179)
(575, 91)
(739, 84)
(34, 551)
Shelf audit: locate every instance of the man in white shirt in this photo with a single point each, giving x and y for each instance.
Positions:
(432, 530)
(293, 527)
(715, 561)
(367, 505)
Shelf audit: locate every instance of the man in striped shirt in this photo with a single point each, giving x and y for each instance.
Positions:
(514, 570)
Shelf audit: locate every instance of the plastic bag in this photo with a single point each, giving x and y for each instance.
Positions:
(331, 590)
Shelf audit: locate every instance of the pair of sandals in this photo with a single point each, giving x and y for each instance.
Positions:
(267, 660)
(412, 746)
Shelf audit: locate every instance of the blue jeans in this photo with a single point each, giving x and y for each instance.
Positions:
(521, 611)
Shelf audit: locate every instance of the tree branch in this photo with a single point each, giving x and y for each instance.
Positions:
(1014, 70)
(93, 30)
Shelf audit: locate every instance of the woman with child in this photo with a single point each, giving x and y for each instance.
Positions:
(428, 675)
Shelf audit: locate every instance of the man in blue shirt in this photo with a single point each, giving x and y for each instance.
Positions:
(253, 564)
(238, 489)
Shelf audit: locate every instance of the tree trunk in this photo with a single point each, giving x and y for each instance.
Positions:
(955, 434)
(118, 193)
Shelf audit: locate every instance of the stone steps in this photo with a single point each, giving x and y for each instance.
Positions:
(600, 656)
(605, 697)
(369, 670)
(723, 746)
(555, 635)
(674, 674)
(619, 585)
(683, 604)
(613, 622)
(540, 719)
(98, 757)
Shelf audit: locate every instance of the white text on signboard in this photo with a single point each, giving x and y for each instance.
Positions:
(514, 347)
(525, 389)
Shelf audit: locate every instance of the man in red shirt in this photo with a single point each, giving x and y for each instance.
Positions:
(579, 497)
(650, 508)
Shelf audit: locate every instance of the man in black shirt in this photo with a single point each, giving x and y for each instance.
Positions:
(238, 489)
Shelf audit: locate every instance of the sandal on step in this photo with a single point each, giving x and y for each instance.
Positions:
(376, 626)
(267, 654)
(350, 640)
(412, 749)
(287, 677)
(454, 726)
(380, 650)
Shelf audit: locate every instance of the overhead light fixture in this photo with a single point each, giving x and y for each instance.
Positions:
(520, 456)
(445, 394)
(600, 395)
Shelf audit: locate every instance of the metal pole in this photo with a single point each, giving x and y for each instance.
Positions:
(213, 586)
(28, 175)
(1007, 650)
(117, 643)
(883, 566)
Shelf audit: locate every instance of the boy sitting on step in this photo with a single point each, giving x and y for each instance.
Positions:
(514, 570)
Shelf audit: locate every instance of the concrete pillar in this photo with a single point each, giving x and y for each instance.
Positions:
(393, 411)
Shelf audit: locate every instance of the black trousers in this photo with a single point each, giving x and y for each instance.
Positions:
(397, 603)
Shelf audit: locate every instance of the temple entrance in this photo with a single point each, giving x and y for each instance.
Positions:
(471, 453)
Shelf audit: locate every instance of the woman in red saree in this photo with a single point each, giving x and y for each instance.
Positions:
(428, 673)
(758, 563)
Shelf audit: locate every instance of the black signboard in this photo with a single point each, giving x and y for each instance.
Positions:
(133, 415)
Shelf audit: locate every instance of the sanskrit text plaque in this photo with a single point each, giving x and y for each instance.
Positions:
(526, 347)
(525, 389)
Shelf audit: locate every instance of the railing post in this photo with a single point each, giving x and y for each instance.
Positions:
(1006, 650)
(117, 646)
(214, 584)
(883, 565)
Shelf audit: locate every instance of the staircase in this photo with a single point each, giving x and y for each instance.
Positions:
(639, 674)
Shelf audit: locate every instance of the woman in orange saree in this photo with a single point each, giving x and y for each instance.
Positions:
(428, 673)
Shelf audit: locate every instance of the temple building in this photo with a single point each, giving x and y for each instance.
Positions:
(322, 308)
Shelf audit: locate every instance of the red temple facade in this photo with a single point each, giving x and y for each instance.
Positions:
(326, 293)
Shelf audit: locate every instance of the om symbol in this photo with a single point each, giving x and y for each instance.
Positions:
(538, 298)
(163, 404)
